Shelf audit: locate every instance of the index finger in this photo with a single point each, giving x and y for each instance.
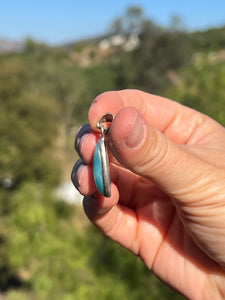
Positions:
(147, 104)
(176, 121)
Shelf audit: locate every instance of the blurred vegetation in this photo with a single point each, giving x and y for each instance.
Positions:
(47, 249)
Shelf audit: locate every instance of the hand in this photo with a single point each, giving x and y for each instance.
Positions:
(167, 166)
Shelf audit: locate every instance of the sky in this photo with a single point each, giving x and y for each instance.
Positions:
(60, 21)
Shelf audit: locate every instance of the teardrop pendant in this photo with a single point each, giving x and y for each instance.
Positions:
(101, 162)
(101, 169)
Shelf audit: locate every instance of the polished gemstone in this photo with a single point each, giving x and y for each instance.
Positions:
(97, 168)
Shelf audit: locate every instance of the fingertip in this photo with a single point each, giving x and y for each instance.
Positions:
(108, 102)
(78, 166)
(96, 205)
(87, 146)
(82, 178)
(82, 131)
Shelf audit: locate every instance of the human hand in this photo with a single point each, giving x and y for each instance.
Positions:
(167, 206)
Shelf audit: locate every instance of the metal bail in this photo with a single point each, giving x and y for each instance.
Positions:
(103, 123)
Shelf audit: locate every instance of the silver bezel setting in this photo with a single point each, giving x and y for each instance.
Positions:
(103, 125)
(105, 167)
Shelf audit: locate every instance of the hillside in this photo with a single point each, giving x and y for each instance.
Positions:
(8, 46)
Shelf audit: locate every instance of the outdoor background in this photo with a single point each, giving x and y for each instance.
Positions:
(55, 58)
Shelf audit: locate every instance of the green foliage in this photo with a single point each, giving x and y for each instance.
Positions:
(212, 39)
(157, 56)
(23, 122)
(202, 87)
(98, 79)
(57, 260)
(42, 243)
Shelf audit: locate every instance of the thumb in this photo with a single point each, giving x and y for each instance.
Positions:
(147, 152)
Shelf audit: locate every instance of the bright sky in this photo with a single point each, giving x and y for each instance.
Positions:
(59, 21)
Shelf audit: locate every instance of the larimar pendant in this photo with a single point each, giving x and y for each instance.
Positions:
(101, 162)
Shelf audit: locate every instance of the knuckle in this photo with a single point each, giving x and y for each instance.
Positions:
(155, 152)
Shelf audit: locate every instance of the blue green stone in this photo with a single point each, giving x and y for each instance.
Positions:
(97, 169)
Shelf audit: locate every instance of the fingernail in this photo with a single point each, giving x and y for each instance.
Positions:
(76, 173)
(79, 145)
(136, 132)
(85, 129)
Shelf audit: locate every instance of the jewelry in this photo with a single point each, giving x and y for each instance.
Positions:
(101, 161)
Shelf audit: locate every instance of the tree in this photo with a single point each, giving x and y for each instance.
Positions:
(133, 20)
(202, 87)
(130, 23)
(157, 56)
(27, 129)
(176, 24)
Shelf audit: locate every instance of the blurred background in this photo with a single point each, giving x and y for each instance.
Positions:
(55, 58)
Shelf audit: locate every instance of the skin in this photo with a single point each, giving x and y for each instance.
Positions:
(167, 205)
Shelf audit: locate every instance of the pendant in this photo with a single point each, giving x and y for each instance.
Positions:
(101, 161)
